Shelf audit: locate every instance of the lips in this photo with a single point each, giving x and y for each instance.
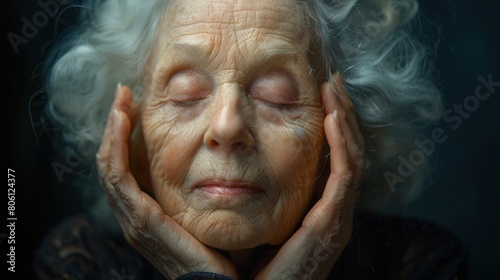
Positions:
(228, 188)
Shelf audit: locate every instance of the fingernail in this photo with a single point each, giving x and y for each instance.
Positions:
(336, 118)
(118, 87)
(115, 119)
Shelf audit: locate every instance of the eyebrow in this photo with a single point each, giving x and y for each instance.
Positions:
(271, 53)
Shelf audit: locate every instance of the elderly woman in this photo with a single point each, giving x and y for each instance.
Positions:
(245, 140)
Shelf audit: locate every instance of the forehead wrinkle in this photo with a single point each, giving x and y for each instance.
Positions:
(226, 12)
(191, 50)
(231, 33)
(266, 53)
(219, 17)
(205, 38)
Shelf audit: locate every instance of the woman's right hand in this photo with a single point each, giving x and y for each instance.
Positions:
(155, 235)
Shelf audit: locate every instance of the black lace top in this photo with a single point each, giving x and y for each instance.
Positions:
(382, 247)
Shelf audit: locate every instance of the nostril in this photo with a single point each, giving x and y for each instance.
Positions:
(243, 148)
(212, 143)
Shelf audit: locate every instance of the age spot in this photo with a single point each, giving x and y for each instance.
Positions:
(300, 133)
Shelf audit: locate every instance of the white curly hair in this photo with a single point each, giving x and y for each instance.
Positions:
(387, 72)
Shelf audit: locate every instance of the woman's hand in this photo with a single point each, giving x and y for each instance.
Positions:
(163, 242)
(313, 250)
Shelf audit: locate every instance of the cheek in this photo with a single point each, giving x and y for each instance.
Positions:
(294, 155)
(170, 147)
(293, 152)
(295, 149)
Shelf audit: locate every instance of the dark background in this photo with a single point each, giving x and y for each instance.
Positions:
(464, 195)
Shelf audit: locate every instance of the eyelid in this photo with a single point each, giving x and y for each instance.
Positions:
(276, 87)
(188, 85)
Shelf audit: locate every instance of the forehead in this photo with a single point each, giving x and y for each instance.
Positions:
(231, 27)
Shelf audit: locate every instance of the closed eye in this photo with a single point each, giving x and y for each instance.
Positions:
(276, 90)
(188, 87)
(187, 103)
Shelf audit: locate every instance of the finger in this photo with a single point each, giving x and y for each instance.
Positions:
(123, 99)
(340, 173)
(125, 189)
(337, 202)
(354, 140)
(114, 153)
(126, 104)
(330, 205)
(347, 104)
(335, 97)
(118, 160)
(102, 156)
(127, 195)
(328, 98)
(124, 115)
(338, 188)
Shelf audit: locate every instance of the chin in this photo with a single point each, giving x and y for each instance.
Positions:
(233, 233)
(229, 244)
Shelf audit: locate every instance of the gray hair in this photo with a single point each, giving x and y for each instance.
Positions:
(369, 42)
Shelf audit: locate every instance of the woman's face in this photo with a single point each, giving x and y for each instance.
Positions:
(232, 120)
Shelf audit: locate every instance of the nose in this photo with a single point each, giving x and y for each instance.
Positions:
(228, 129)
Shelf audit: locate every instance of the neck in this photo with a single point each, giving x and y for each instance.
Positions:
(248, 262)
(241, 259)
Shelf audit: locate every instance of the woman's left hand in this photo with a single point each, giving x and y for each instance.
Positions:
(315, 247)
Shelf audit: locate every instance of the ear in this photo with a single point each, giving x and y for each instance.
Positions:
(139, 163)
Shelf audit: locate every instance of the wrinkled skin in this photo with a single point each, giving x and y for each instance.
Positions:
(235, 101)
(222, 113)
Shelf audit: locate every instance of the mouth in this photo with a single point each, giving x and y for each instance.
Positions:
(228, 189)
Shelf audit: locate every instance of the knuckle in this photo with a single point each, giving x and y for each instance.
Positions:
(348, 105)
(133, 237)
(340, 143)
(346, 179)
(138, 224)
(358, 150)
(114, 177)
(100, 156)
(343, 175)
(342, 114)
